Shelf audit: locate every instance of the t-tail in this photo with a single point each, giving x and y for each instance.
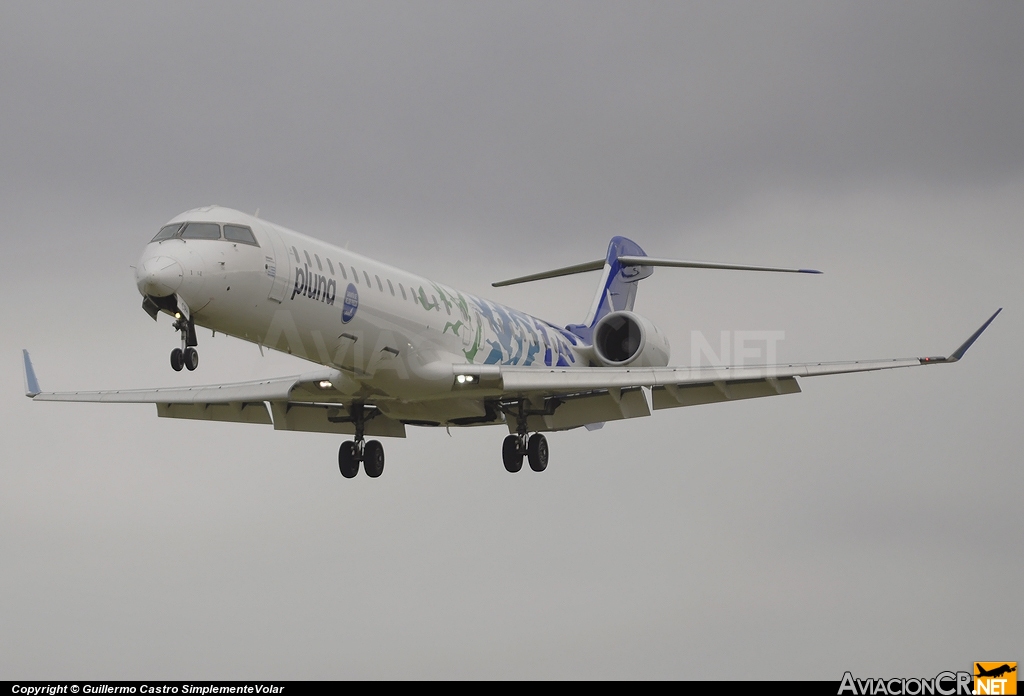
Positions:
(625, 265)
(617, 290)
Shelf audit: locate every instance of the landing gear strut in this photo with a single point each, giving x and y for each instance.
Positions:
(371, 453)
(187, 355)
(534, 447)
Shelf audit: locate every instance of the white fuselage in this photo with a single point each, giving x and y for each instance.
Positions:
(394, 333)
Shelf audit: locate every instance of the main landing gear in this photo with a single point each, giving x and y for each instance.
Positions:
(533, 447)
(187, 355)
(371, 453)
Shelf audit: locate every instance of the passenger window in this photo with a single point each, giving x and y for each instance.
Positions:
(391, 287)
(309, 262)
(379, 286)
(167, 232)
(367, 276)
(319, 265)
(402, 288)
(295, 251)
(343, 273)
(201, 230)
(437, 307)
(329, 265)
(355, 274)
(242, 235)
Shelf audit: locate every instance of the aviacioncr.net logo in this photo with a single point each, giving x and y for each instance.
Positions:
(943, 684)
(995, 678)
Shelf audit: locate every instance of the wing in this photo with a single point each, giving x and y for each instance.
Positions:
(548, 398)
(562, 398)
(312, 402)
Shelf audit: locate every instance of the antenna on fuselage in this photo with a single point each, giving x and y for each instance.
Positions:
(257, 213)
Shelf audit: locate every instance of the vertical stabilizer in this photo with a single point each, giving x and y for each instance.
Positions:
(617, 290)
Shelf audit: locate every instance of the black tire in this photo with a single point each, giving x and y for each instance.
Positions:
(511, 457)
(177, 360)
(191, 358)
(537, 452)
(373, 459)
(347, 462)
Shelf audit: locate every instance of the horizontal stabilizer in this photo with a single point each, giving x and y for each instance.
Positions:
(568, 270)
(645, 261)
(673, 263)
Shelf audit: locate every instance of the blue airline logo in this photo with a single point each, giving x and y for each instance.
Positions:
(351, 304)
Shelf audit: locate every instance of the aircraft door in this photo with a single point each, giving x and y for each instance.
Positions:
(278, 264)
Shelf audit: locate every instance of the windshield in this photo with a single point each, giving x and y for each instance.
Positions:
(237, 233)
(201, 230)
(167, 232)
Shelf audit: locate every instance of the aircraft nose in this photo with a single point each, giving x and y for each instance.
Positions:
(159, 276)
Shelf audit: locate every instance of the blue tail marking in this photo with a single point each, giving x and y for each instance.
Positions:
(617, 291)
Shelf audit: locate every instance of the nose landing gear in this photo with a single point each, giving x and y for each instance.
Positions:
(186, 356)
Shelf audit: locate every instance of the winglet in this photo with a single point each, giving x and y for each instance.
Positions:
(959, 352)
(31, 383)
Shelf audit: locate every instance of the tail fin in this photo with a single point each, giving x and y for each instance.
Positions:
(617, 290)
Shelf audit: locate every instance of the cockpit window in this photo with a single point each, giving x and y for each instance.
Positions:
(167, 232)
(201, 230)
(237, 233)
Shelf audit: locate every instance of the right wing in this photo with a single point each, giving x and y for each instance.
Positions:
(312, 402)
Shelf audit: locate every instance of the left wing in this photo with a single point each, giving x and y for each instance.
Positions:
(561, 398)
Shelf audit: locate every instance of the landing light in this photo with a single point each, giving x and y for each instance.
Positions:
(462, 379)
(177, 315)
(324, 384)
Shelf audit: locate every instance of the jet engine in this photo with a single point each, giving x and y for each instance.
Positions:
(624, 339)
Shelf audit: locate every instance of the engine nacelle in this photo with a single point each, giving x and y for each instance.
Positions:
(624, 339)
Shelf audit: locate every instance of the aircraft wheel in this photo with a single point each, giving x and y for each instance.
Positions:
(537, 452)
(191, 356)
(347, 462)
(373, 459)
(177, 360)
(510, 454)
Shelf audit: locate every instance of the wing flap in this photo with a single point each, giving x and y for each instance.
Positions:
(324, 418)
(675, 396)
(581, 379)
(243, 412)
(585, 409)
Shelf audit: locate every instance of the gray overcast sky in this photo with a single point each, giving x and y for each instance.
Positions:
(871, 523)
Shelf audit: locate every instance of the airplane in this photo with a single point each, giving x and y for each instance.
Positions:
(995, 672)
(393, 349)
